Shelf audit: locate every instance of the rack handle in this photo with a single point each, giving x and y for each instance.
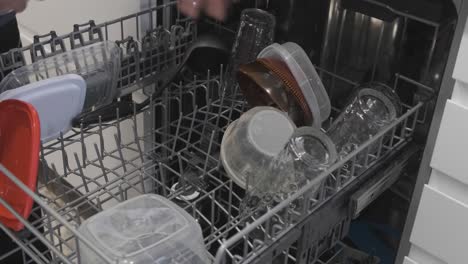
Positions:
(38, 49)
(77, 37)
(10, 61)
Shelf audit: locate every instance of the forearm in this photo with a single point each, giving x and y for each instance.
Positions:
(213, 8)
(13, 5)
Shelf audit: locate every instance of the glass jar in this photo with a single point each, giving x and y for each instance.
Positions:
(372, 107)
(308, 153)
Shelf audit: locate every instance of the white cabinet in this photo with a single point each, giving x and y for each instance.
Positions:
(439, 234)
(60, 15)
(451, 146)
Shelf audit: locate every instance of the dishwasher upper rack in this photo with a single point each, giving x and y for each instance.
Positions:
(152, 42)
(88, 170)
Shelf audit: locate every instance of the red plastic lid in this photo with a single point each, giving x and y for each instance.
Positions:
(19, 152)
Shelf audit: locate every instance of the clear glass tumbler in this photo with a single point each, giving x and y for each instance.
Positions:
(308, 153)
(372, 107)
(256, 31)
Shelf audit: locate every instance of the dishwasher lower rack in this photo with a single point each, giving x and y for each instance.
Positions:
(176, 139)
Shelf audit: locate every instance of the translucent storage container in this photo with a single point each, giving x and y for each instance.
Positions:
(253, 141)
(145, 229)
(306, 76)
(98, 64)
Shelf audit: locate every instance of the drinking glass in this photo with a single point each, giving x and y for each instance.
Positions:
(256, 31)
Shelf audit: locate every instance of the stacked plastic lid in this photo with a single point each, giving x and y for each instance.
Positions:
(145, 229)
(306, 76)
(57, 100)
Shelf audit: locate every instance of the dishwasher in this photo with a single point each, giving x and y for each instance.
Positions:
(178, 135)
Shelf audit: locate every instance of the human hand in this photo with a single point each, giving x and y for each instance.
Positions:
(16, 5)
(214, 8)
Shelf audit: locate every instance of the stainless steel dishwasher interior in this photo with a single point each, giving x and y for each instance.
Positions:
(177, 138)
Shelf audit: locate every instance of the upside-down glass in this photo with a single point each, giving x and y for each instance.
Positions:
(372, 107)
(256, 31)
(308, 153)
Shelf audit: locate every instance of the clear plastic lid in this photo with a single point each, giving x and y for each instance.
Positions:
(145, 229)
(98, 64)
(306, 76)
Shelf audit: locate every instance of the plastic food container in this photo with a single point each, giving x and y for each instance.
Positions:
(252, 142)
(145, 229)
(98, 64)
(19, 153)
(306, 76)
(57, 100)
